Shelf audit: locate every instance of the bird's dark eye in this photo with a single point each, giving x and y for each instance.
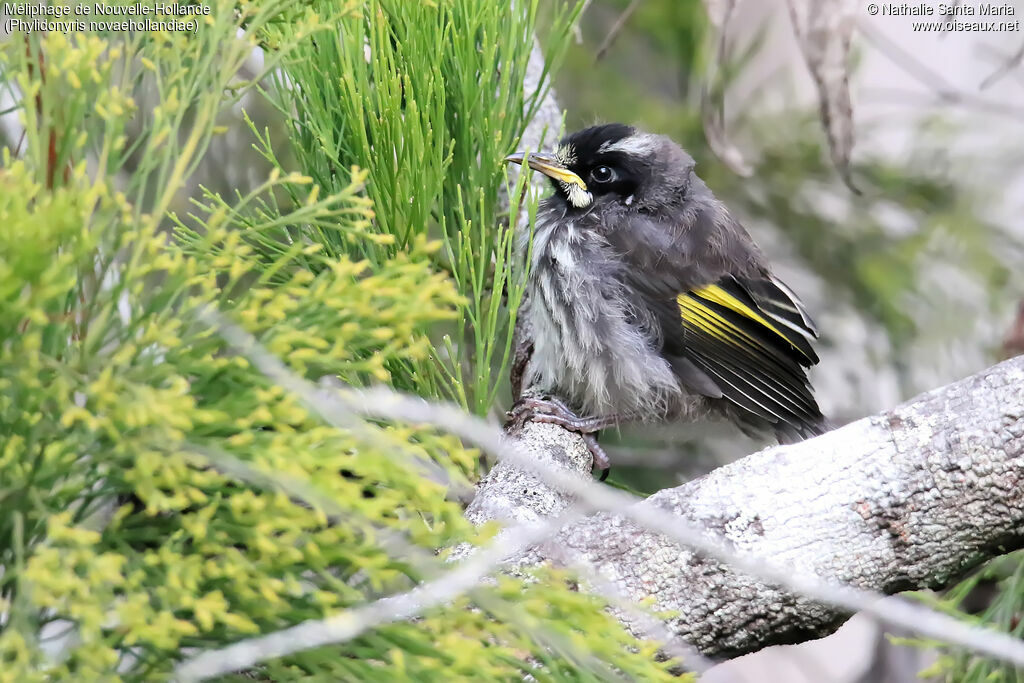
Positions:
(603, 174)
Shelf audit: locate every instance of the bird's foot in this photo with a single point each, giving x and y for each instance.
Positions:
(554, 411)
(550, 410)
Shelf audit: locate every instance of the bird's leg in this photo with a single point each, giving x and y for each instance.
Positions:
(599, 458)
(551, 410)
(520, 359)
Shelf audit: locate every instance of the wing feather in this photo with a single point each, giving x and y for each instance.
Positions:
(752, 339)
(782, 394)
(779, 301)
(770, 313)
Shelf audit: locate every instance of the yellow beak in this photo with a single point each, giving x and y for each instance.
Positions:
(547, 165)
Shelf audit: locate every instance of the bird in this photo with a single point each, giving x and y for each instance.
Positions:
(649, 301)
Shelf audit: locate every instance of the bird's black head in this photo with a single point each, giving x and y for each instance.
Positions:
(613, 162)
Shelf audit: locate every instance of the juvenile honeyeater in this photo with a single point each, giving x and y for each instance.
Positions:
(648, 301)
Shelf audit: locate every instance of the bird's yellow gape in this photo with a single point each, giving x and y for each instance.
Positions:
(549, 166)
(575, 189)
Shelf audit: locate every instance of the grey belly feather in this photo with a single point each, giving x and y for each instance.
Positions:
(591, 346)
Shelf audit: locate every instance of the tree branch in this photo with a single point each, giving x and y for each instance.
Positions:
(559, 476)
(906, 499)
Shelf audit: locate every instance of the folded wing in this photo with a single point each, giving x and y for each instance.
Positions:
(752, 338)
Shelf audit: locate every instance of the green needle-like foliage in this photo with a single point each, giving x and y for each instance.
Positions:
(161, 496)
(429, 99)
(990, 597)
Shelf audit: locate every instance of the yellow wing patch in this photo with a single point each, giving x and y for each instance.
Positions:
(723, 298)
(712, 301)
(745, 355)
(706, 320)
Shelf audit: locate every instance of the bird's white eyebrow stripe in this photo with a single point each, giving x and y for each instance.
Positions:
(634, 144)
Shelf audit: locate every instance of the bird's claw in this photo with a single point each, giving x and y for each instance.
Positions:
(551, 410)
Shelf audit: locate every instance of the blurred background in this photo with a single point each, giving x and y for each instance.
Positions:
(914, 282)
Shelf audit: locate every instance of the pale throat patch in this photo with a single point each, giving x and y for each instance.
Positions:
(578, 197)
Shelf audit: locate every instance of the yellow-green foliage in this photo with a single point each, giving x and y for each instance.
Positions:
(161, 495)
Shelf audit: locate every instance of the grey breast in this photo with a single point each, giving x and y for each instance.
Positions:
(595, 343)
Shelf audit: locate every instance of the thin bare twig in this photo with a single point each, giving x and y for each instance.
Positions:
(712, 94)
(944, 91)
(1009, 65)
(991, 53)
(577, 33)
(616, 28)
(824, 31)
(949, 15)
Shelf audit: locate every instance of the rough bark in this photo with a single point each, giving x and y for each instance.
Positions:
(909, 498)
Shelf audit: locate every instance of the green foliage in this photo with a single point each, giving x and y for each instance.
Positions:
(160, 494)
(429, 98)
(882, 269)
(991, 597)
